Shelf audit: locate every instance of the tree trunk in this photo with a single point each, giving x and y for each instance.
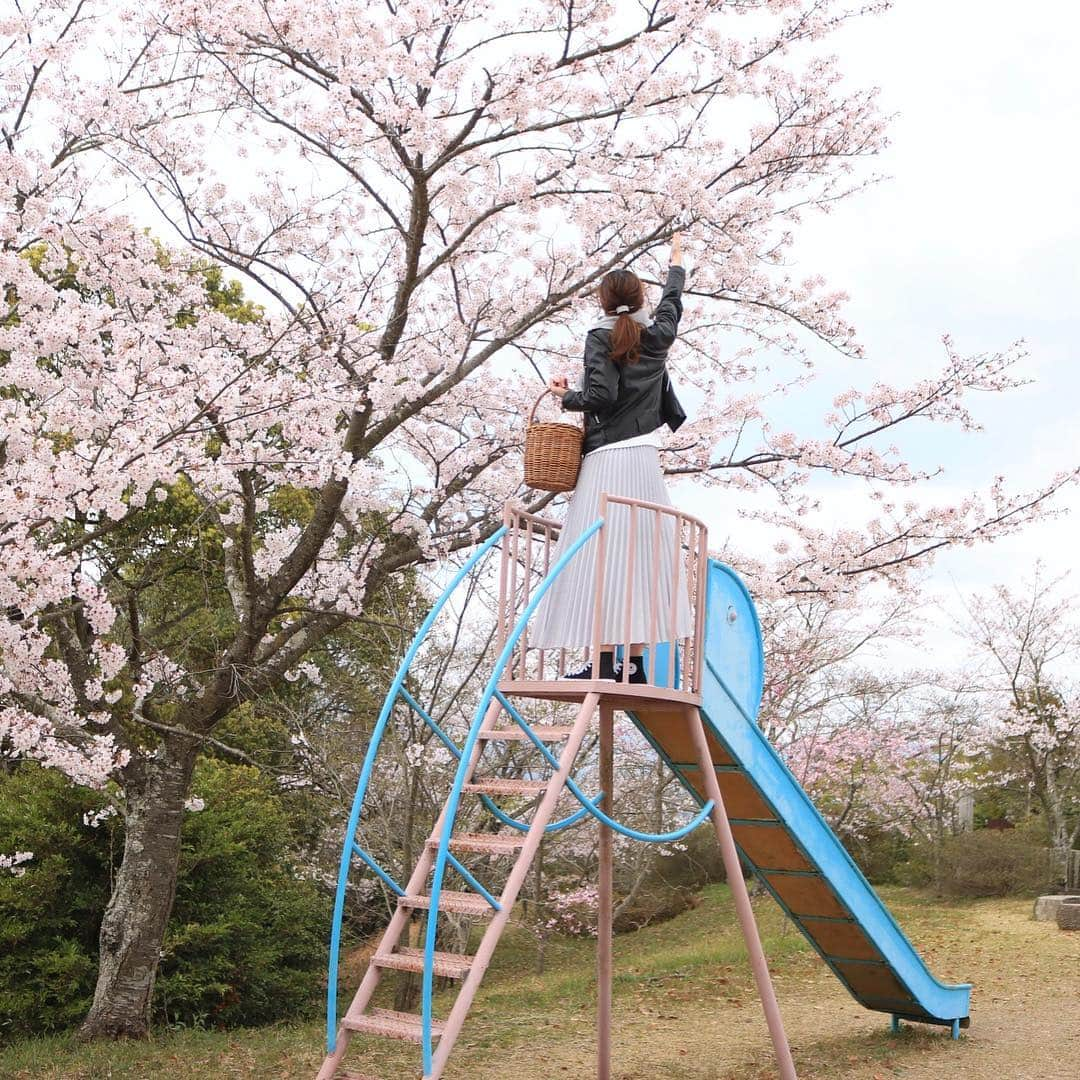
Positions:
(1053, 807)
(133, 929)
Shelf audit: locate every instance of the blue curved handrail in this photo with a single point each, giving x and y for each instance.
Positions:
(588, 806)
(555, 826)
(454, 798)
(490, 805)
(365, 778)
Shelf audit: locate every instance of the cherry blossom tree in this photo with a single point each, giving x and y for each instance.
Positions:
(1028, 641)
(421, 197)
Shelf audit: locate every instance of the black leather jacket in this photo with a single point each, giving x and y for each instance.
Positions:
(623, 400)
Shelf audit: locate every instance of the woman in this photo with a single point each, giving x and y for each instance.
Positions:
(626, 395)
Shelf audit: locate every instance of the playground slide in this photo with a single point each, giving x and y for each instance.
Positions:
(780, 834)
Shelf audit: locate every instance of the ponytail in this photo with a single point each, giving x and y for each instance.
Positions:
(621, 293)
(626, 340)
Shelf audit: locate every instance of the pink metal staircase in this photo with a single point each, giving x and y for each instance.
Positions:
(390, 954)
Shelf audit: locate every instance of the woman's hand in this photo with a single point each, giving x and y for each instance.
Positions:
(558, 387)
(676, 249)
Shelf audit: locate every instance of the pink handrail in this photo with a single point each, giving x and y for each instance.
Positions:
(679, 549)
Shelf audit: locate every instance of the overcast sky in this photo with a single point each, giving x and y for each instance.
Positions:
(976, 233)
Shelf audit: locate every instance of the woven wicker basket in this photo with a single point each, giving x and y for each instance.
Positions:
(552, 453)
(1068, 916)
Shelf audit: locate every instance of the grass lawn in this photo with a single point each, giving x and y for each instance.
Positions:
(685, 1008)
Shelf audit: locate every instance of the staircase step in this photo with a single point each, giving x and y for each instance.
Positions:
(544, 732)
(394, 1025)
(450, 965)
(486, 843)
(494, 785)
(460, 903)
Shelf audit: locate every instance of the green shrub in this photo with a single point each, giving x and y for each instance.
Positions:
(879, 854)
(50, 913)
(919, 869)
(988, 862)
(674, 881)
(246, 942)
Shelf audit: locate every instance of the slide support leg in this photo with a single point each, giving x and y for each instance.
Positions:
(605, 900)
(733, 869)
(894, 1024)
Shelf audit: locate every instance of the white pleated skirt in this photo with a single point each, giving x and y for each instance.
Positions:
(564, 617)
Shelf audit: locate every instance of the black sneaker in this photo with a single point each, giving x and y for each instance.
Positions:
(637, 671)
(610, 670)
(583, 671)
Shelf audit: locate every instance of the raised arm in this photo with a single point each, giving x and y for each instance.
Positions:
(669, 310)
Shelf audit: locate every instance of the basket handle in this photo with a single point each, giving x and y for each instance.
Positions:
(536, 405)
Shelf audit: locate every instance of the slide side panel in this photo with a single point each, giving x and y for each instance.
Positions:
(780, 833)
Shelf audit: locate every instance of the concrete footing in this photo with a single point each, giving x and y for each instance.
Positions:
(1046, 907)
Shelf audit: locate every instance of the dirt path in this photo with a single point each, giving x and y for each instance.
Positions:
(1025, 1018)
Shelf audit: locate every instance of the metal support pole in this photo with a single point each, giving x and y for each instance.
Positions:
(604, 912)
(733, 869)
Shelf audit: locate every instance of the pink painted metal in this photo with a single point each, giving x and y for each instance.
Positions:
(360, 1017)
(605, 899)
(673, 609)
(523, 567)
(392, 1024)
(525, 564)
(488, 843)
(526, 589)
(628, 596)
(739, 893)
(654, 602)
(458, 1012)
(699, 621)
(504, 599)
(460, 903)
(499, 785)
(598, 588)
(515, 539)
(544, 732)
(448, 965)
(686, 557)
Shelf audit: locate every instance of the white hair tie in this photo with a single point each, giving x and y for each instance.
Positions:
(621, 308)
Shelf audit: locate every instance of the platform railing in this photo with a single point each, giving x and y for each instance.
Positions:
(527, 557)
(670, 546)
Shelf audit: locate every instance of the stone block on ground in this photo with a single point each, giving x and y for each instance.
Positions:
(1046, 907)
(1068, 915)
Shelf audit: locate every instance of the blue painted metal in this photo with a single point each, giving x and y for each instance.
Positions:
(376, 869)
(731, 692)
(454, 798)
(365, 778)
(472, 882)
(655, 838)
(423, 714)
(657, 663)
(589, 806)
(522, 826)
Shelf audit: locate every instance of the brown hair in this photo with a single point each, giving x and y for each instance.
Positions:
(619, 288)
